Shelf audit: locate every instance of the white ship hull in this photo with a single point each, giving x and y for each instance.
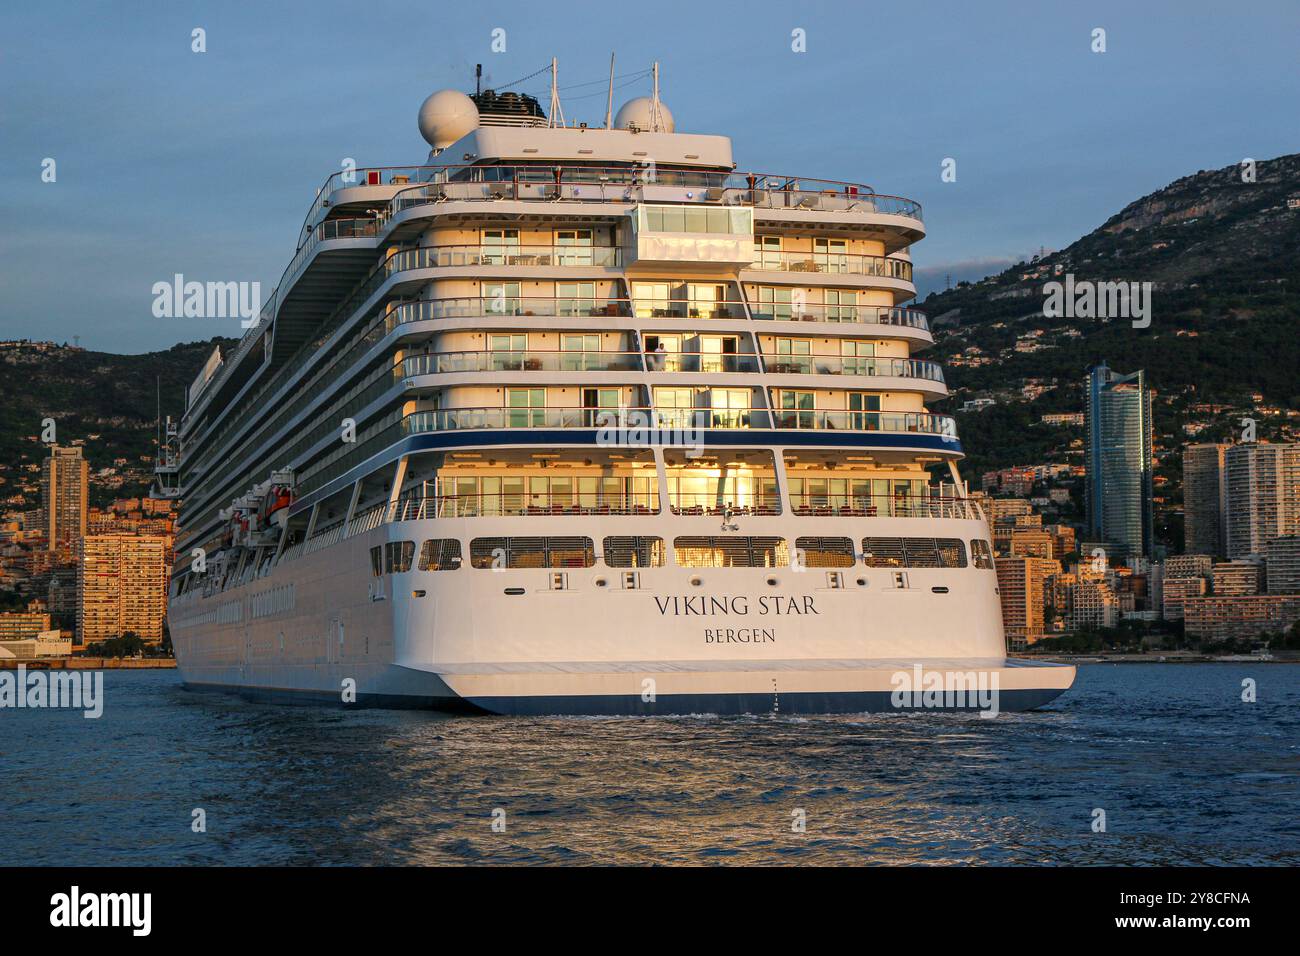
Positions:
(687, 640)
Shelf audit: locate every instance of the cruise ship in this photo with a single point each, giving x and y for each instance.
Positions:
(578, 419)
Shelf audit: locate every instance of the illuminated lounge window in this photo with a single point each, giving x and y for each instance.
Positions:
(731, 551)
(914, 552)
(557, 552)
(816, 552)
(626, 551)
(883, 552)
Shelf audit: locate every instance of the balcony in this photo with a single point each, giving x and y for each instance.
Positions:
(512, 255)
(518, 504)
(826, 263)
(531, 360)
(707, 362)
(854, 365)
(883, 506)
(461, 419)
(861, 314)
(822, 420)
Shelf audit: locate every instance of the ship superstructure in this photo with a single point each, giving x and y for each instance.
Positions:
(584, 420)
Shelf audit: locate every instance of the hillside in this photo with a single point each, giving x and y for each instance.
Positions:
(107, 401)
(1223, 257)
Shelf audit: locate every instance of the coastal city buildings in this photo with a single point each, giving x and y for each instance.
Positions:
(1020, 586)
(1262, 495)
(1204, 499)
(122, 586)
(1118, 488)
(1240, 501)
(1283, 563)
(64, 497)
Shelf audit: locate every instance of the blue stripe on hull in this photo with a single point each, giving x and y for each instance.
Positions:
(844, 702)
(631, 705)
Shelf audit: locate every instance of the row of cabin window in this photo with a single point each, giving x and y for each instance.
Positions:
(693, 551)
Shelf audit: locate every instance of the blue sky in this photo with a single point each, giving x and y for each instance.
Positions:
(204, 164)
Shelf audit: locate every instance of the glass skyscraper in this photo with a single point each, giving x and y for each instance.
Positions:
(1118, 491)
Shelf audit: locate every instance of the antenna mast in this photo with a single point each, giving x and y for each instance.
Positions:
(609, 107)
(556, 109)
(656, 123)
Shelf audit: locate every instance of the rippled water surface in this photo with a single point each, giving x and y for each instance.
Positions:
(1185, 771)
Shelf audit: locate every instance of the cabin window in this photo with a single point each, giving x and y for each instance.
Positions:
(440, 554)
(398, 555)
(982, 554)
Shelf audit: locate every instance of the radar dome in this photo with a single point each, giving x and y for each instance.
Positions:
(446, 116)
(639, 113)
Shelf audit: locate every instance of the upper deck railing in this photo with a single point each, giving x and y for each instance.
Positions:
(627, 184)
(529, 181)
(440, 183)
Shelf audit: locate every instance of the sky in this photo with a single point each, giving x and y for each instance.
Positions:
(170, 161)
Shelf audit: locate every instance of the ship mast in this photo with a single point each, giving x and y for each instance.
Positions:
(556, 109)
(609, 106)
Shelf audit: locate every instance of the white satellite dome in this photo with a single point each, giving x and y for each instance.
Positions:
(446, 116)
(639, 113)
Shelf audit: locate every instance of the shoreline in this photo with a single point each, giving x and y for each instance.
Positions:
(89, 663)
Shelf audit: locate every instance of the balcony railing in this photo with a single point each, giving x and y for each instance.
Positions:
(507, 504)
(531, 360)
(505, 254)
(700, 362)
(818, 312)
(625, 183)
(459, 419)
(423, 310)
(711, 503)
(550, 503)
(816, 419)
(419, 310)
(854, 365)
(686, 309)
(883, 506)
(890, 267)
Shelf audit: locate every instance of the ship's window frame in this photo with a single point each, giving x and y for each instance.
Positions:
(982, 555)
(821, 551)
(731, 551)
(398, 556)
(440, 554)
(527, 551)
(883, 552)
(633, 551)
